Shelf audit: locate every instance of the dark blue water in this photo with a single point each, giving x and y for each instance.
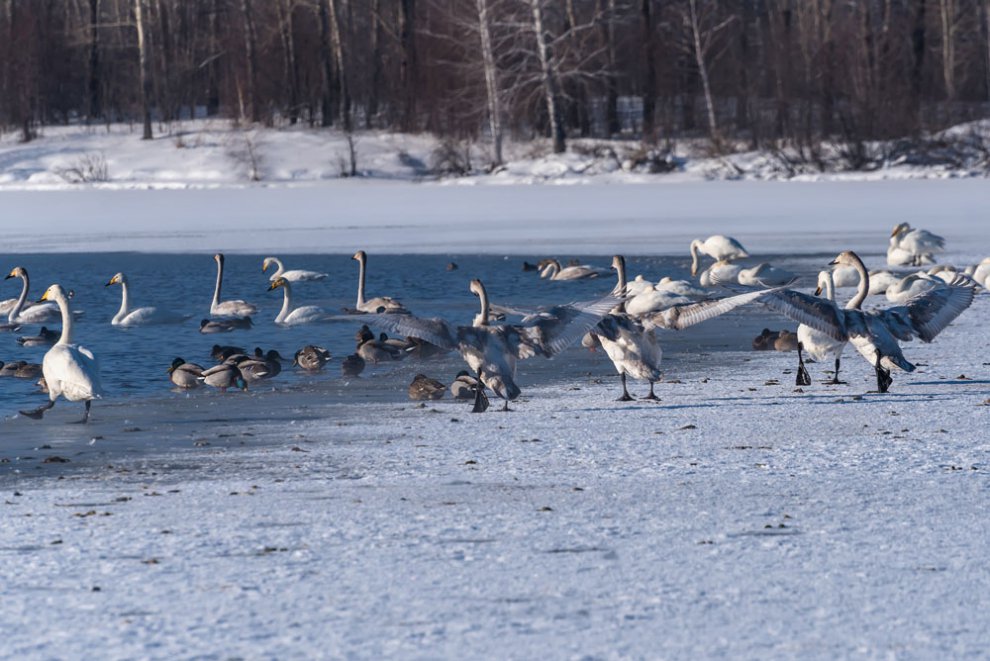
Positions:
(134, 361)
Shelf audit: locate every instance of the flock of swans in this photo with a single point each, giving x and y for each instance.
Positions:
(623, 322)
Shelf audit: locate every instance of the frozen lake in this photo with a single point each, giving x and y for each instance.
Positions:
(317, 516)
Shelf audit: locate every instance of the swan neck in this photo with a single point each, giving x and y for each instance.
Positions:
(125, 301)
(483, 297)
(864, 285)
(286, 303)
(694, 257)
(280, 268)
(830, 287)
(63, 307)
(620, 287)
(360, 295)
(16, 311)
(216, 290)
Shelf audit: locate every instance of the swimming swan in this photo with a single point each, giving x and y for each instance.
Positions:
(140, 316)
(374, 304)
(295, 275)
(235, 308)
(293, 316)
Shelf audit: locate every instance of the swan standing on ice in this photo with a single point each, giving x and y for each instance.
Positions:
(21, 312)
(819, 345)
(554, 271)
(718, 247)
(294, 275)
(374, 304)
(293, 316)
(70, 370)
(234, 308)
(911, 247)
(491, 351)
(874, 334)
(139, 316)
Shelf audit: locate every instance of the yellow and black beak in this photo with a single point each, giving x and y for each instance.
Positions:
(44, 297)
(113, 281)
(276, 284)
(10, 275)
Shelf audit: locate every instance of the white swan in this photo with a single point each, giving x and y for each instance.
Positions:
(24, 313)
(492, 350)
(71, 371)
(880, 281)
(234, 308)
(874, 334)
(682, 287)
(554, 271)
(764, 275)
(294, 275)
(719, 272)
(653, 300)
(913, 247)
(910, 286)
(375, 304)
(816, 344)
(981, 273)
(718, 247)
(128, 317)
(844, 276)
(290, 315)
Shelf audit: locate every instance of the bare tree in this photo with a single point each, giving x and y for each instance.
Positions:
(140, 22)
(702, 26)
(548, 75)
(491, 79)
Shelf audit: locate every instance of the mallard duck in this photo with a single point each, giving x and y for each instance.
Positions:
(464, 386)
(423, 387)
(209, 326)
(764, 341)
(786, 341)
(311, 358)
(353, 365)
(28, 371)
(44, 338)
(224, 376)
(185, 375)
(221, 353)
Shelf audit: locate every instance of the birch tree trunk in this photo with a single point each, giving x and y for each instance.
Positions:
(649, 81)
(947, 23)
(491, 80)
(251, 53)
(699, 56)
(140, 19)
(338, 51)
(326, 65)
(549, 79)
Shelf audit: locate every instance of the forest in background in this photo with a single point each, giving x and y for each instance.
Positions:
(756, 74)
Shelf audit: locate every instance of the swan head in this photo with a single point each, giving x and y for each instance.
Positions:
(116, 280)
(618, 262)
(218, 258)
(360, 256)
(900, 228)
(53, 293)
(269, 261)
(846, 258)
(823, 278)
(477, 288)
(18, 272)
(281, 282)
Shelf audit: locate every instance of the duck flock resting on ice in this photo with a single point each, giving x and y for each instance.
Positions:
(623, 322)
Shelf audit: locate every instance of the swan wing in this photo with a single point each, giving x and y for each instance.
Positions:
(817, 313)
(300, 275)
(928, 314)
(73, 371)
(683, 315)
(435, 331)
(555, 329)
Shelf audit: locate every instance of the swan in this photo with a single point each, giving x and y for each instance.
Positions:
(764, 275)
(844, 276)
(24, 313)
(653, 300)
(630, 342)
(224, 376)
(377, 303)
(294, 275)
(140, 316)
(682, 287)
(235, 308)
(293, 316)
(719, 272)
(185, 375)
(554, 271)
(981, 273)
(913, 247)
(910, 286)
(880, 281)
(491, 351)
(875, 334)
(311, 358)
(718, 247)
(424, 388)
(71, 371)
(208, 326)
(819, 345)
(638, 285)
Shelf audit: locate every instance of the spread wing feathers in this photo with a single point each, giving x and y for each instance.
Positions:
(927, 314)
(682, 316)
(818, 313)
(435, 331)
(556, 328)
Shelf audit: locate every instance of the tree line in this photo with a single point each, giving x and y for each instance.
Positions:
(763, 73)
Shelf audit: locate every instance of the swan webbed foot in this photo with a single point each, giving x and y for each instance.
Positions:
(652, 396)
(38, 413)
(626, 397)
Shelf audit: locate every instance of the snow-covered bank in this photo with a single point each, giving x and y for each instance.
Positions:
(208, 154)
(340, 217)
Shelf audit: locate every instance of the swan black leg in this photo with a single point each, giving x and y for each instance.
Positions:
(883, 376)
(835, 379)
(625, 393)
(803, 378)
(652, 396)
(38, 413)
(480, 398)
(505, 407)
(85, 417)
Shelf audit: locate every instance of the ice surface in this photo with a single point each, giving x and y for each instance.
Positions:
(738, 518)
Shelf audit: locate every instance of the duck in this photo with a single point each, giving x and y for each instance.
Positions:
(464, 386)
(224, 376)
(294, 275)
(45, 338)
(221, 353)
(210, 326)
(373, 305)
(129, 317)
(352, 365)
(71, 370)
(786, 341)
(765, 340)
(425, 388)
(232, 308)
(311, 358)
(185, 375)
(719, 247)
